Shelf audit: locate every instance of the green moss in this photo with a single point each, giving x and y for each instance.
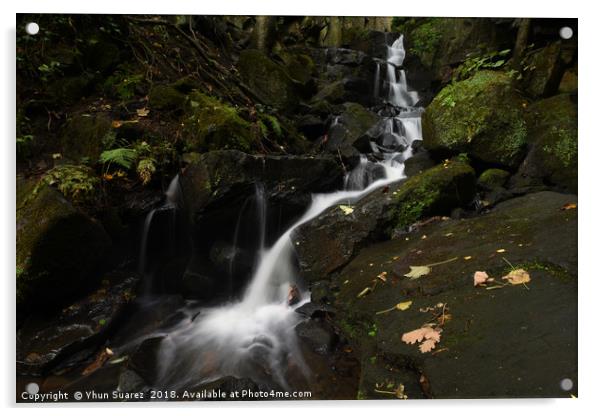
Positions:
(493, 178)
(165, 97)
(435, 191)
(82, 136)
(76, 182)
(482, 116)
(426, 37)
(212, 125)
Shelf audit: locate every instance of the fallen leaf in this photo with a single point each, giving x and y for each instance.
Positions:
(116, 124)
(501, 250)
(570, 205)
(480, 278)
(99, 362)
(427, 345)
(517, 277)
(417, 271)
(402, 306)
(346, 209)
(417, 335)
(467, 257)
(142, 112)
(364, 292)
(383, 276)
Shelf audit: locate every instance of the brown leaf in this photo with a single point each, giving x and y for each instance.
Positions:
(427, 345)
(517, 277)
(142, 112)
(99, 362)
(570, 205)
(480, 278)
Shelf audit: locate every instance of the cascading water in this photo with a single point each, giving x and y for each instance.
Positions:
(255, 336)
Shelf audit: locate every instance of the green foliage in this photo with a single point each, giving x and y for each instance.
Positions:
(121, 156)
(272, 122)
(76, 182)
(123, 85)
(492, 60)
(426, 38)
(146, 167)
(24, 144)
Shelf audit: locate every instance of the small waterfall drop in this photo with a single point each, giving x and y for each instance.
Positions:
(256, 335)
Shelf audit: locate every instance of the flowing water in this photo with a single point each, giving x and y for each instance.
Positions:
(255, 335)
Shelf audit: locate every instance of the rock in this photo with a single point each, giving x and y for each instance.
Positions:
(481, 116)
(418, 163)
(492, 178)
(505, 328)
(131, 382)
(82, 136)
(568, 83)
(317, 335)
(267, 79)
(349, 127)
(45, 341)
(229, 385)
(70, 90)
(441, 43)
(435, 191)
(544, 71)
(330, 241)
(314, 310)
(101, 55)
(59, 248)
(311, 126)
(552, 158)
(231, 176)
(165, 97)
(212, 125)
(145, 360)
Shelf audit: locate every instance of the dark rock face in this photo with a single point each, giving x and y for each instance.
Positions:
(495, 336)
(316, 335)
(545, 68)
(353, 122)
(418, 163)
(269, 80)
(481, 116)
(552, 158)
(59, 249)
(43, 342)
(492, 178)
(82, 136)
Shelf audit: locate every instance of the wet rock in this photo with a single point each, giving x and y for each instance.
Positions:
(317, 335)
(492, 178)
(59, 248)
(43, 341)
(314, 310)
(230, 385)
(552, 158)
(481, 116)
(418, 163)
(221, 176)
(145, 361)
(82, 136)
(311, 126)
(569, 83)
(350, 125)
(504, 328)
(269, 80)
(131, 382)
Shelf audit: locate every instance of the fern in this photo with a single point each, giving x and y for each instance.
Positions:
(74, 181)
(146, 168)
(122, 156)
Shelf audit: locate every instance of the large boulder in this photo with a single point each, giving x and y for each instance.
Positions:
(492, 343)
(269, 80)
(59, 247)
(210, 124)
(330, 241)
(348, 127)
(544, 70)
(552, 158)
(481, 116)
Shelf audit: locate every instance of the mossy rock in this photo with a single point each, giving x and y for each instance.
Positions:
(165, 97)
(59, 248)
(493, 178)
(83, 135)
(267, 79)
(435, 191)
(481, 116)
(70, 89)
(212, 125)
(353, 123)
(544, 71)
(553, 133)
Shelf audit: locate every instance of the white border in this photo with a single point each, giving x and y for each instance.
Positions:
(590, 69)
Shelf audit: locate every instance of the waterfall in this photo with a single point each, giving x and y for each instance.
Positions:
(256, 335)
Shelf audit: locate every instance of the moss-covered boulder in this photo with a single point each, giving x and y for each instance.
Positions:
(353, 122)
(493, 178)
(435, 191)
(544, 69)
(59, 247)
(210, 124)
(269, 80)
(82, 136)
(165, 97)
(552, 159)
(481, 116)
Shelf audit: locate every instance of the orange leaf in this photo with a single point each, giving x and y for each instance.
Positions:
(480, 278)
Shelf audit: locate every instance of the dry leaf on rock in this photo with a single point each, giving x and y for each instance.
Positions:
(417, 271)
(364, 292)
(427, 345)
(401, 306)
(142, 112)
(570, 205)
(517, 277)
(480, 278)
(346, 209)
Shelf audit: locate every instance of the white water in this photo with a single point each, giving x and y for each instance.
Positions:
(255, 337)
